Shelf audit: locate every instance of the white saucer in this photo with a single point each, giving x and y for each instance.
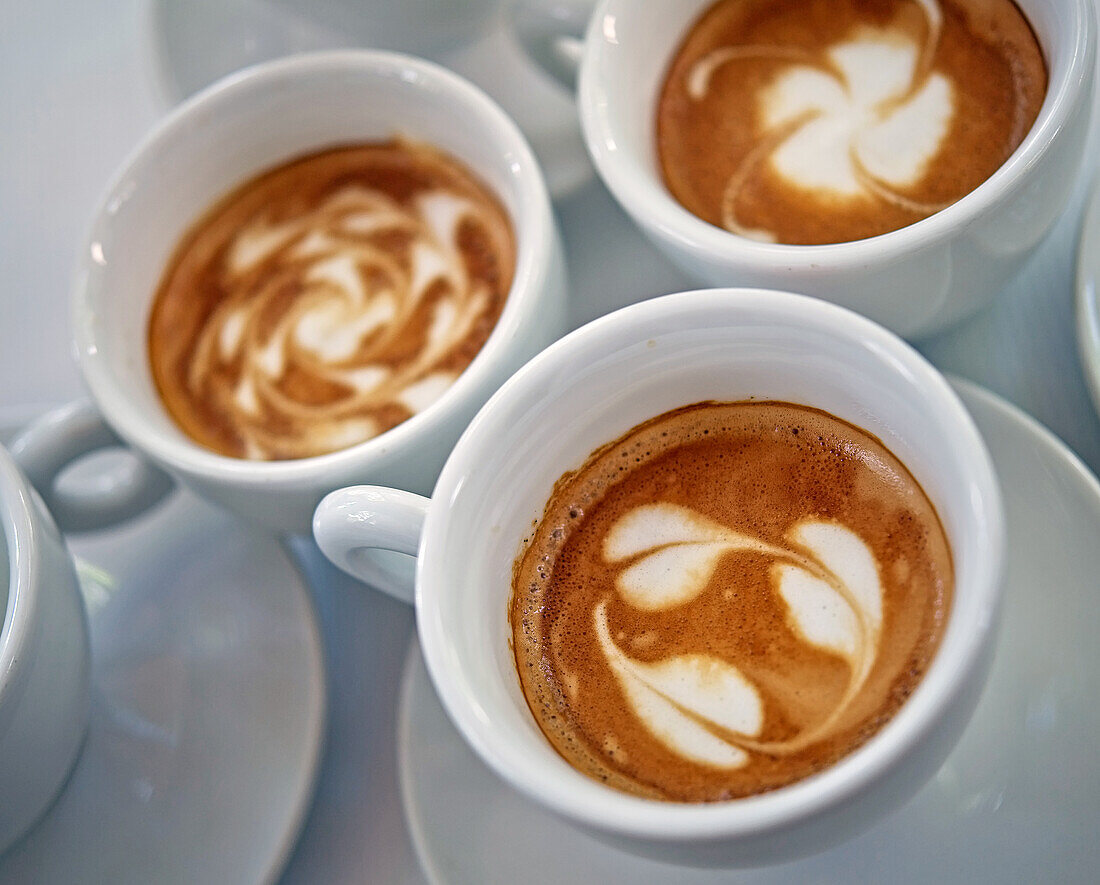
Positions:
(194, 42)
(1088, 295)
(1017, 801)
(208, 709)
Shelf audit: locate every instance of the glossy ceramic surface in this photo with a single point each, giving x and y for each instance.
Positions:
(1088, 295)
(44, 660)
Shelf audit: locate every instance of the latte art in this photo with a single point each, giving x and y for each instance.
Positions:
(727, 599)
(700, 706)
(351, 289)
(868, 114)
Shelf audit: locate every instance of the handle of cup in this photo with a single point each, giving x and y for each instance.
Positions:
(552, 33)
(61, 437)
(358, 526)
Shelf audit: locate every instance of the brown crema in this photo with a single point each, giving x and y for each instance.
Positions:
(329, 299)
(775, 492)
(827, 121)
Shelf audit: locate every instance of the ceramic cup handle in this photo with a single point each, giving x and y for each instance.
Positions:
(65, 435)
(360, 528)
(552, 33)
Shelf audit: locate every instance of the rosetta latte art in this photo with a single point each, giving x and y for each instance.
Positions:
(350, 314)
(702, 707)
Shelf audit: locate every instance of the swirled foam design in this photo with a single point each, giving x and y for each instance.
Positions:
(840, 119)
(727, 599)
(328, 300)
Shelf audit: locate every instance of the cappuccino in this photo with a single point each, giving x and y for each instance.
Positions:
(835, 120)
(329, 299)
(727, 599)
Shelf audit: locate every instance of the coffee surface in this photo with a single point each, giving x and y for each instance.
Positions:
(727, 599)
(825, 121)
(329, 299)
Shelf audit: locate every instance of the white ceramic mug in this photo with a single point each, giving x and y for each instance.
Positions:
(915, 280)
(233, 130)
(44, 653)
(588, 389)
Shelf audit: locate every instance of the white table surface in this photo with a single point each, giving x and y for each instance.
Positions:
(80, 83)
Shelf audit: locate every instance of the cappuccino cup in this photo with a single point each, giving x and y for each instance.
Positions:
(44, 651)
(232, 132)
(564, 407)
(916, 279)
(44, 659)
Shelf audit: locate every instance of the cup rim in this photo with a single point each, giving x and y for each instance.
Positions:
(654, 207)
(531, 221)
(603, 808)
(20, 535)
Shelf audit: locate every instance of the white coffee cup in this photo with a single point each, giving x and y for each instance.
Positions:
(44, 653)
(588, 389)
(238, 127)
(44, 659)
(915, 280)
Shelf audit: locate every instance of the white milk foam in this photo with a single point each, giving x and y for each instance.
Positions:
(349, 291)
(851, 128)
(702, 707)
(862, 121)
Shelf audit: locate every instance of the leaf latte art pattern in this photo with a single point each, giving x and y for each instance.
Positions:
(728, 598)
(344, 311)
(702, 707)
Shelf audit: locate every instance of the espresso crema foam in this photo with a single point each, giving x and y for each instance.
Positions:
(727, 599)
(825, 121)
(329, 299)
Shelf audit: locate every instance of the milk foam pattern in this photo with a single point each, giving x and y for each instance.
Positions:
(862, 120)
(358, 298)
(702, 707)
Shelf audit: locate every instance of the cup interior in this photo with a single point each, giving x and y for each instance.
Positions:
(609, 376)
(629, 48)
(232, 131)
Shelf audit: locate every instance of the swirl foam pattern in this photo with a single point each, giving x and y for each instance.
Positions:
(328, 300)
(792, 122)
